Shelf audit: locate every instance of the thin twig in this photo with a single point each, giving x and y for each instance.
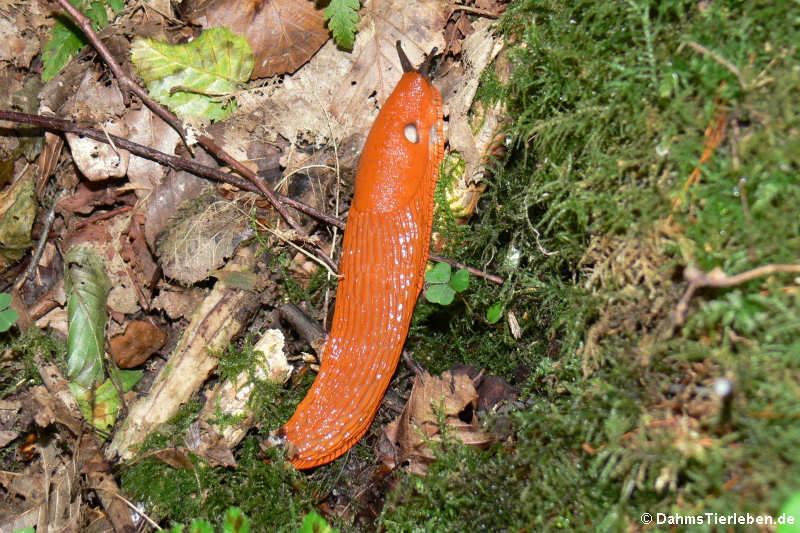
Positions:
(697, 47)
(129, 85)
(43, 235)
(474, 10)
(179, 163)
(718, 278)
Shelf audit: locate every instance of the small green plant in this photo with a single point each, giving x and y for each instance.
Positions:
(235, 521)
(342, 17)
(8, 316)
(67, 39)
(314, 523)
(444, 284)
(494, 312)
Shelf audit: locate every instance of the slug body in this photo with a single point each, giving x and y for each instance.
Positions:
(384, 252)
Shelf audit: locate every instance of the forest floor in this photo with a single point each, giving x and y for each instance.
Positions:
(643, 214)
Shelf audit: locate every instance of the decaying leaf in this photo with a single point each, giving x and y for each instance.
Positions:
(17, 214)
(146, 128)
(189, 78)
(353, 86)
(100, 405)
(283, 34)
(99, 104)
(376, 67)
(202, 234)
(473, 129)
(140, 340)
(436, 403)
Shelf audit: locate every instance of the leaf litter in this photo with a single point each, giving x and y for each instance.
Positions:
(139, 218)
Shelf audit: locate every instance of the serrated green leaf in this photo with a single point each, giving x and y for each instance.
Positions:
(440, 294)
(439, 273)
(460, 280)
(235, 521)
(67, 39)
(342, 17)
(494, 312)
(87, 289)
(216, 63)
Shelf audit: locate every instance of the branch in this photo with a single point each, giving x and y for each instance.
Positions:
(129, 85)
(718, 278)
(179, 163)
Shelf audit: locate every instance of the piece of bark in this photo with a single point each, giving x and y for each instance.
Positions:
(220, 317)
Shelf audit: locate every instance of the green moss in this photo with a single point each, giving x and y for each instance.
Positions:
(591, 224)
(23, 370)
(270, 494)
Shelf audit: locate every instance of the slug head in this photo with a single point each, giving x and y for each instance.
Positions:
(403, 149)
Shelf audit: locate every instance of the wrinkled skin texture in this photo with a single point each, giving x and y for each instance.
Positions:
(384, 252)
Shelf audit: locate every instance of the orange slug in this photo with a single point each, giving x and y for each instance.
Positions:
(384, 252)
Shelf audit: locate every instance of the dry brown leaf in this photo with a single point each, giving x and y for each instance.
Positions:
(296, 109)
(140, 340)
(451, 397)
(376, 70)
(97, 103)
(16, 47)
(177, 457)
(283, 34)
(480, 48)
(147, 129)
(201, 235)
(103, 238)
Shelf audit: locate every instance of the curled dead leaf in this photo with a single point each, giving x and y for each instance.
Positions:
(451, 398)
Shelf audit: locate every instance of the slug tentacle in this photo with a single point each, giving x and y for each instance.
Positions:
(384, 252)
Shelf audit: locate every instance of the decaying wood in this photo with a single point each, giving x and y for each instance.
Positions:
(220, 317)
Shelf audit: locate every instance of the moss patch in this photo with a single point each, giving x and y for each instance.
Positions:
(648, 136)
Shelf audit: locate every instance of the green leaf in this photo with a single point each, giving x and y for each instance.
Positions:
(342, 17)
(217, 63)
(494, 312)
(201, 526)
(8, 317)
(87, 289)
(440, 294)
(26, 530)
(438, 274)
(235, 521)
(67, 39)
(460, 280)
(101, 406)
(314, 523)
